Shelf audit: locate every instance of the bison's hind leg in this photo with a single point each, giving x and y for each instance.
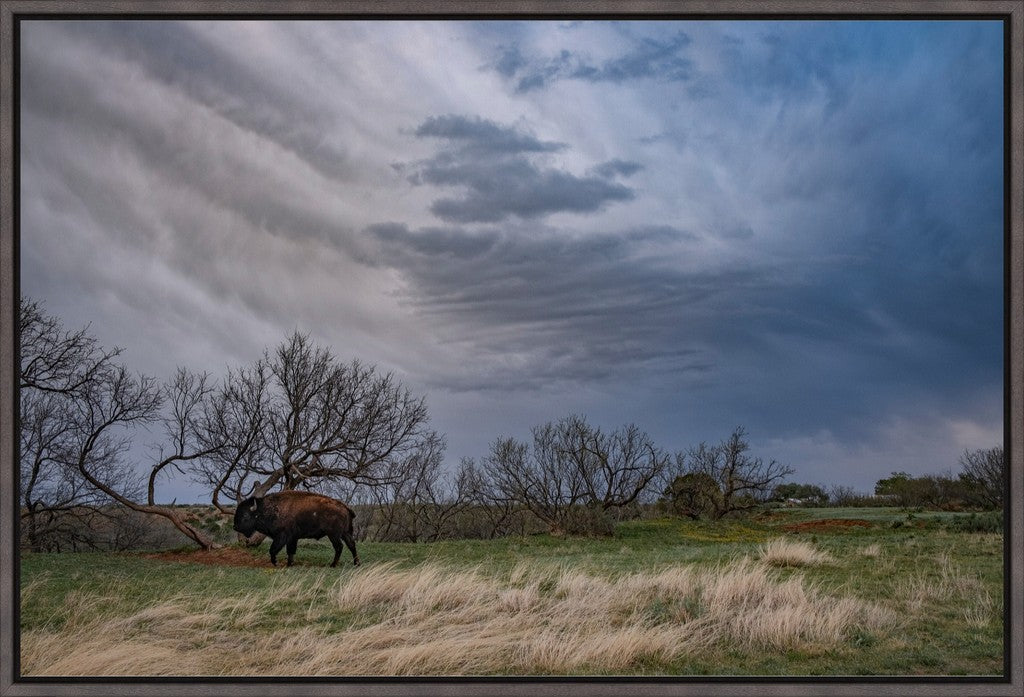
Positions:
(351, 544)
(337, 541)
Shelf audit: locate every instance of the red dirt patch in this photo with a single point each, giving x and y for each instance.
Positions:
(826, 525)
(223, 556)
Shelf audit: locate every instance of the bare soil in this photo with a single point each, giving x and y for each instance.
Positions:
(826, 525)
(223, 556)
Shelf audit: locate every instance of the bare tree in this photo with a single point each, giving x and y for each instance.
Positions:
(52, 359)
(101, 419)
(413, 497)
(537, 478)
(233, 422)
(492, 513)
(186, 426)
(295, 418)
(740, 482)
(56, 369)
(55, 366)
(618, 467)
(984, 471)
(841, 495)
(79, 409)
(44, 484)
(322, 420)
(59, 509)
(570, 466)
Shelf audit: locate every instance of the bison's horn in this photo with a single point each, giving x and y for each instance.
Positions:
(253, 506)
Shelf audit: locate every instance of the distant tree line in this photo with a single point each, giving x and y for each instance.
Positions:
(300, 418)
(978, 486)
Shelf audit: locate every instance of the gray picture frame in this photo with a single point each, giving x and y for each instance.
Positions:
(1012, 11)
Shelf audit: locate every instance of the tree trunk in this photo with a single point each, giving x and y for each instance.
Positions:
(190, 531)
(33, 530)
(194, 534)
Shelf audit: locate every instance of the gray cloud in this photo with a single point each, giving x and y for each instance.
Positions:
(180, 56)
(176, 226)
(434, 242)
(489, 163)
(476, 135)
(574, 308)
(180, 157)
(509, 62)
(618, 167)
(518, 188)
(647, 58)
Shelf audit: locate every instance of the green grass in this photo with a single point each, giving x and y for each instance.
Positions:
(944, 588)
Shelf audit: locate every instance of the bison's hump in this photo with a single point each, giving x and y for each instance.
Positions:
(305, 499)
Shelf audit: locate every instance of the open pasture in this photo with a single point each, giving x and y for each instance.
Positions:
(891, 595)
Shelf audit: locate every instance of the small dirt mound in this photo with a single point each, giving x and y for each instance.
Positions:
(827, 525)
(223, 556)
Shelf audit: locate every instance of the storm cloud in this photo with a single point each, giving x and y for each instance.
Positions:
(791, 226)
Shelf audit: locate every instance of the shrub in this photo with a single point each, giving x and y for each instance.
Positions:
(694, 495)
(940, 492)
(990, 521)
(983, 476)
(588, 520)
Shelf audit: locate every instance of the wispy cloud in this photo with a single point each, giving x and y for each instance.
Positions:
(571, 307)
(646, 58)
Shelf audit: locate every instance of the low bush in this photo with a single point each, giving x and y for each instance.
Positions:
(989, 521)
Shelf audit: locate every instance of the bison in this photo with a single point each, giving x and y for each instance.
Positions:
(288, 516)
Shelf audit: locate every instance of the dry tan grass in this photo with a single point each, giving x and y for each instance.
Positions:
(783, 552)
(980, 612)
(950, 585)
(445, 621)
(872, 551)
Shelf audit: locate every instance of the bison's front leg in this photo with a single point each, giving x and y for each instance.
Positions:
(293, 544)
(275, 547)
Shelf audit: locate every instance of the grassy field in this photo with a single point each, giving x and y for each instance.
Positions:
(800, 592)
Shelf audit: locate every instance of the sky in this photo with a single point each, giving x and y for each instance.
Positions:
(791, 226)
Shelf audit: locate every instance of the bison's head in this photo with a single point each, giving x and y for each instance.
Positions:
(246, 514)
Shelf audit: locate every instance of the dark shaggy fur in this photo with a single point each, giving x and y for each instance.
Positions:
(288, 516)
